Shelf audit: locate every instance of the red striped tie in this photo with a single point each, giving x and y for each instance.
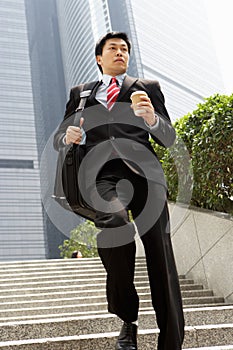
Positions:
(112, 93)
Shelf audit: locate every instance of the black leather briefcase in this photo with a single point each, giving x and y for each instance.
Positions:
(66, 187)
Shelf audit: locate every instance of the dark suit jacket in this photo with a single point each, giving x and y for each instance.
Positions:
(120, 131)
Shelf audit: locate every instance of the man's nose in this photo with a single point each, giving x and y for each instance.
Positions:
(119, 52)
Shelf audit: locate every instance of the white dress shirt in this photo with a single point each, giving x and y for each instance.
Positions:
(101, 94)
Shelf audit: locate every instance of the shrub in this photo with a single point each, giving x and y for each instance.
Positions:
(206, 135)
(212, 154)
(82, 238)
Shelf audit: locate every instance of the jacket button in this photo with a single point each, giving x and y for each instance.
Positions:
(112, 137)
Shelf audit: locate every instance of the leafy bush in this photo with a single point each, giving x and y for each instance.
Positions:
(213, 157)
(82, 238)
(201, 160)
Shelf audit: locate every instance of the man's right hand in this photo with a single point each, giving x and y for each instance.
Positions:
(74, 133)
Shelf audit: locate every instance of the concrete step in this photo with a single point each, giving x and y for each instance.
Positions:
(5, 264)
(57, 263)
(70, 326)
(66, 281)
(142, 291)
(221, 347)
(203, 300)
(88, 313)
(57, 277)
(80, 274)
(77, 266)
(195, 337)
(61, 304)
(50, 272)
(77, 299)
(76, 288)
(61, 267)
(70, 304)
(59, 280)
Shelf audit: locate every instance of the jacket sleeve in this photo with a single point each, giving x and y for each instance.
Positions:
(165, 134)
(71, 106)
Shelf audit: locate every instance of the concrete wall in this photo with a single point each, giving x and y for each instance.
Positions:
(203, 247)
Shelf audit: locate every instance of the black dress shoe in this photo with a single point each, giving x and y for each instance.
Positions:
(127, 339)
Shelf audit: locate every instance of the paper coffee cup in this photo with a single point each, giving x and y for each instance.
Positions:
(135, 98)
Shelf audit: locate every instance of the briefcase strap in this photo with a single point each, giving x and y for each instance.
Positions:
(84, 94)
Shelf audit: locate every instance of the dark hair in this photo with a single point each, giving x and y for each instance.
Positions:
(74, 254)
(101, 42)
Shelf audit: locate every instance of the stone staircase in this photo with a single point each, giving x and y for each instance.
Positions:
(61, 305)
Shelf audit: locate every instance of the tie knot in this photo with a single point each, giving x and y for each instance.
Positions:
(113, 80)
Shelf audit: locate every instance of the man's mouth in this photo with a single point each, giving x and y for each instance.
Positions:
(119, 60)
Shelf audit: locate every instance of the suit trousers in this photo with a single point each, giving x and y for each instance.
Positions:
(122, 190)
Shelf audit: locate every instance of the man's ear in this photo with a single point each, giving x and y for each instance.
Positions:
(99, 59)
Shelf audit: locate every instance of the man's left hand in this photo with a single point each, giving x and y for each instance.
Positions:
(149, 114)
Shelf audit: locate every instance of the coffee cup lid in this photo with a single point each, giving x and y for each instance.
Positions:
(138, 93)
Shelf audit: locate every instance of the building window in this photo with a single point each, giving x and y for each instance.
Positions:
(16, 164)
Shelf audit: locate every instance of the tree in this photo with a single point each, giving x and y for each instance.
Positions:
(82, 238)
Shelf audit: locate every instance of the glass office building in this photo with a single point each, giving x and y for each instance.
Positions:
(175, 47)
(49, 98)
(171, 43)
(21, 219)
(46, 47)
(80, 24)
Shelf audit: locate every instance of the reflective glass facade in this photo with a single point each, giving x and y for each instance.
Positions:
(171, 43)
(49, 97)
(176, 48)
(81, 24)
(21, 220)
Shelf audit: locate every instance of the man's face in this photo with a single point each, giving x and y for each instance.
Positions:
(114, 58)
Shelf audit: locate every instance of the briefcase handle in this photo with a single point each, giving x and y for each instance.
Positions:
(83, 98)
(84, 94)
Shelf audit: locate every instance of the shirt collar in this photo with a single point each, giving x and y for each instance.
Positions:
(107, 78)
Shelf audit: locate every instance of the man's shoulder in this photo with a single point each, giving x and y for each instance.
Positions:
(144, 83)
(84, 86)
(148, 82)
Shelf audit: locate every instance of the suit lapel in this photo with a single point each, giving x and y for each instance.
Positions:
(127, 83)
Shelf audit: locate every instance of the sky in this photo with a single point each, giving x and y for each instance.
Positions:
(221, 24)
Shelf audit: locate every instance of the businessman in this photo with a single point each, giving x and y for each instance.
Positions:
(119, 153)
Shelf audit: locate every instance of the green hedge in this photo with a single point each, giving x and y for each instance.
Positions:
(200, 163)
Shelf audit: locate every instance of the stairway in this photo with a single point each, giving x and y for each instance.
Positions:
(61, 305)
